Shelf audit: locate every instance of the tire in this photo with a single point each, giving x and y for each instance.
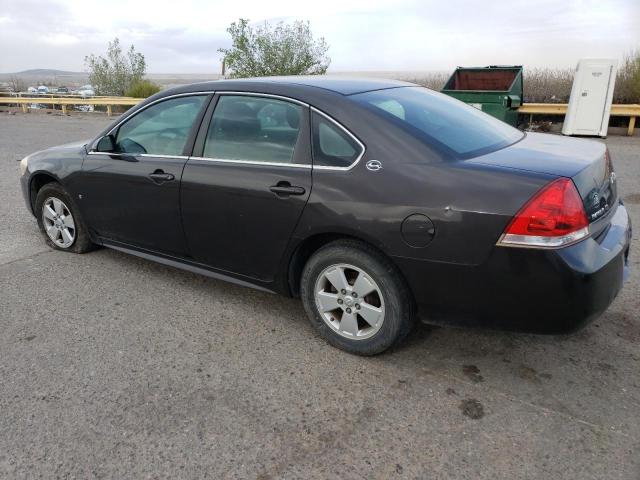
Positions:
(58, 200)
(360, 264)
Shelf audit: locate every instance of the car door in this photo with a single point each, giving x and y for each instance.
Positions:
(131, 194)
(247, 184)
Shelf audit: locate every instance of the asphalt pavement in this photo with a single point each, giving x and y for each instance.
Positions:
(116, 367)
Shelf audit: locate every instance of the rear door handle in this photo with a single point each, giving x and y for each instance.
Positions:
(159, 176)
(284, 189)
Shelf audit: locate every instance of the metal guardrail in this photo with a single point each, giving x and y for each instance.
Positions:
(618, 110)
(51, 95)
(64, 102)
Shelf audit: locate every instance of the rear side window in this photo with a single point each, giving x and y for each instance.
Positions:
(253, 129)
(332, 146)
(161, 129)
(445, 124)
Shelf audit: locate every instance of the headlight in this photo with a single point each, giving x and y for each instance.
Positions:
(23, 164)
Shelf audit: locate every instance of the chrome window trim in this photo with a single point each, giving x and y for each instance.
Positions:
(142, 109)
(220, 160)
(362, 146)
(252, 162)
(93, 152)
(267, 95)
(295, 165)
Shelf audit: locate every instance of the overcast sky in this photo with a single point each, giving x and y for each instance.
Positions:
(183, 36)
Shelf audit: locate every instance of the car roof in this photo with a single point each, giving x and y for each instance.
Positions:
(338, 84)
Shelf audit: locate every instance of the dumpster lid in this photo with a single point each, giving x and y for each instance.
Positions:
(492, 78)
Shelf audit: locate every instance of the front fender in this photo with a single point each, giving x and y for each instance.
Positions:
(60, 164)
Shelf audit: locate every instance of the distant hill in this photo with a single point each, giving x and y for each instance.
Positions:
(47, 72)
(47, 76)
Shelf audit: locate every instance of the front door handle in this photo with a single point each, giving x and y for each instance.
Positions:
(160, 177)
(284, 189)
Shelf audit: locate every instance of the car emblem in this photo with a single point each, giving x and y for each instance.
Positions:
(374, 165)
(595, 199)
(612, 177)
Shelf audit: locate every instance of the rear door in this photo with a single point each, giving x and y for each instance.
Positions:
(132, 195)
(245, 187)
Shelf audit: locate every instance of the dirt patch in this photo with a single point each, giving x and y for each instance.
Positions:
(472, 373)
(633, 198)
(627, 328)
(605, 367)
(472, 408)
(527, 373)
(531, 374)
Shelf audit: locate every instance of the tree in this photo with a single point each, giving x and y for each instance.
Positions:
(17, 84)
(115, 74)
(274, 50)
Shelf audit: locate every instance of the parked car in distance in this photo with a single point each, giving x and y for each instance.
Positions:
(85, 91)
(63, 90)
(377, 202)
(42, 90)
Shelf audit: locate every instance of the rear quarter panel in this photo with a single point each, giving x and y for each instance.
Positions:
(469, 205)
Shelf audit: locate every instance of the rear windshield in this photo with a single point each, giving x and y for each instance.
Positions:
(447, 125)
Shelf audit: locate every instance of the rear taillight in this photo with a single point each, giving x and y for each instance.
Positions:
(553, 218)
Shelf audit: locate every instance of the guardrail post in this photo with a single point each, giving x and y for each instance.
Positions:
(108, 110)
(24, 107)
(64, 109)
(632, 125)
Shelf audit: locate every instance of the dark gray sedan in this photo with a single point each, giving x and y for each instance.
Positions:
(374, 201)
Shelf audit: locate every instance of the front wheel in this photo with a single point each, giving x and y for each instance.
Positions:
(355, 298)
(59, 220)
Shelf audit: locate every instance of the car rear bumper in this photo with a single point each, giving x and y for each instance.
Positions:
(530, 290)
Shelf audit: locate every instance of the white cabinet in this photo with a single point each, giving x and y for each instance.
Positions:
(591, 96)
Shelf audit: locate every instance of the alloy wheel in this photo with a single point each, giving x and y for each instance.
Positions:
(349, 301)
(58, 222)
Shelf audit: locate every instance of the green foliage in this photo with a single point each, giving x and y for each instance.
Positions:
(142, 89)
(274, 50)
(114, 74)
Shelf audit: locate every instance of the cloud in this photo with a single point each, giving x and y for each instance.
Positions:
(60, 39)
(363, 35)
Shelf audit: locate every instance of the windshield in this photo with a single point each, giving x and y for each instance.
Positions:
(445, 124)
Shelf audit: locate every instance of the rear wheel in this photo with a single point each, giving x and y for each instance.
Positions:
(355, 298)
(59, 220)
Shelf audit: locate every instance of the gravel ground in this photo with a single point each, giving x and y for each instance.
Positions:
(116, 367)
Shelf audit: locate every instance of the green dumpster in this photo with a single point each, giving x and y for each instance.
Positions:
(496, 90)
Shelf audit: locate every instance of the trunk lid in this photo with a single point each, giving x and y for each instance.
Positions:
(586, 162)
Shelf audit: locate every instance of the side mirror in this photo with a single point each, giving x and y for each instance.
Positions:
(106, 144)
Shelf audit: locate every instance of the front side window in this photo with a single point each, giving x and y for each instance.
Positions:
(161, 129)
(448, 125)
(332, 146)
(253, 129)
